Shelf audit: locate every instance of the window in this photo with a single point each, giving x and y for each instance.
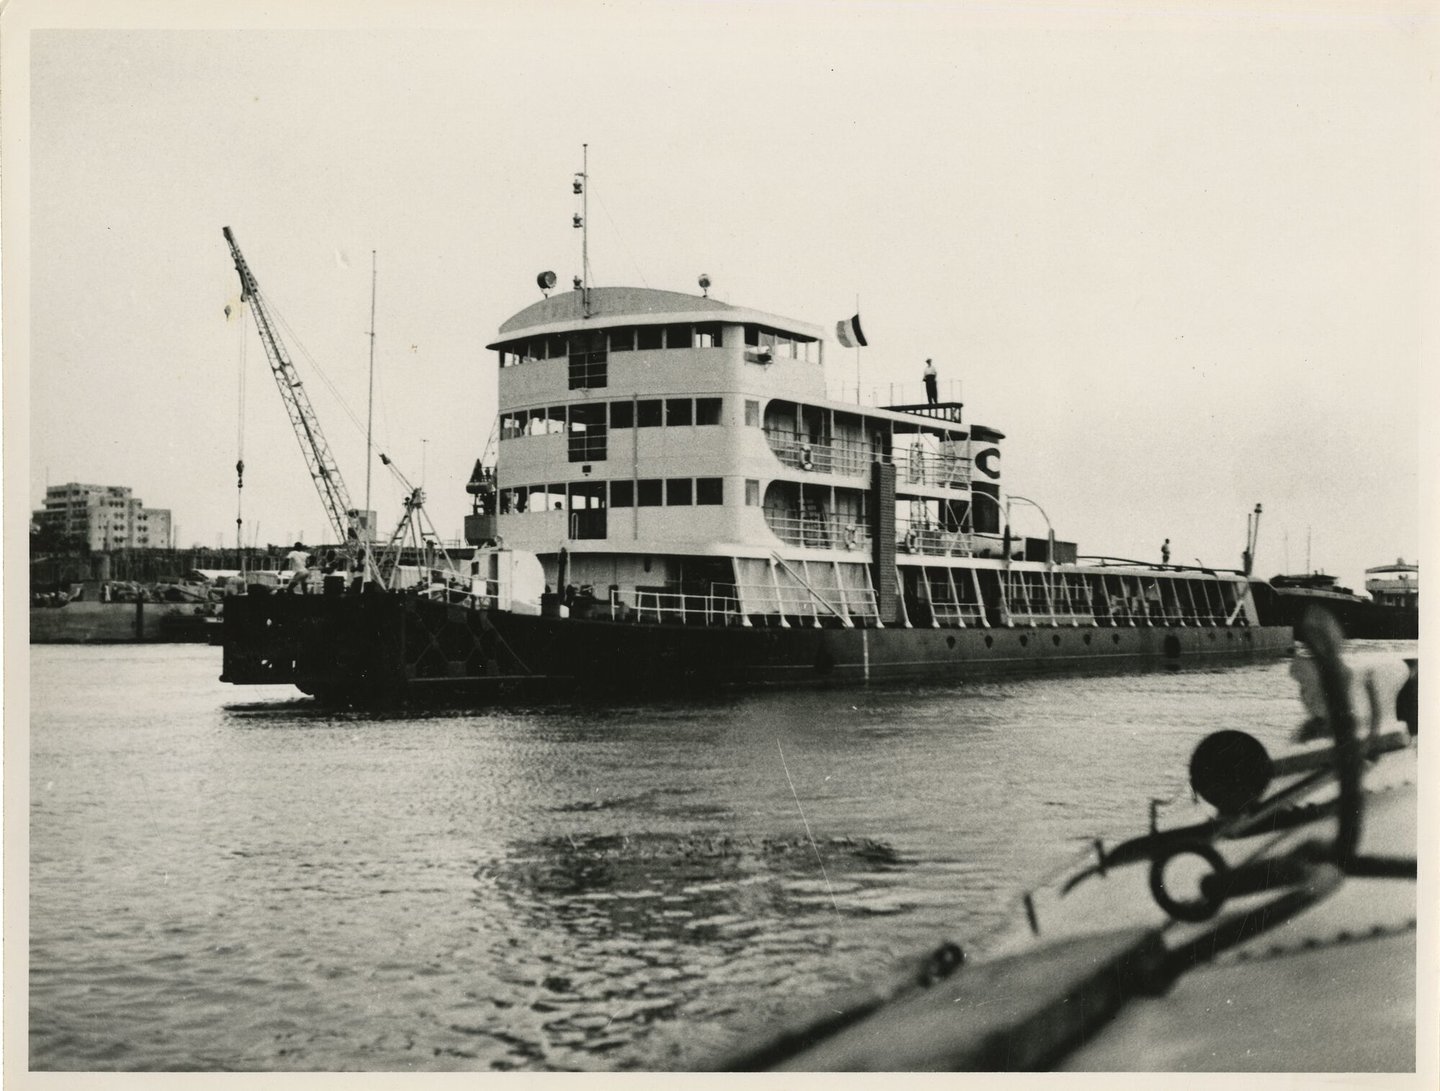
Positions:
(752, 493)
(707, 410)
(679, 337)
(677, 491)
(555, 346)
(677, 411)
(648, 493)
(752, 336)
(709, 490)
(587, 432)
(622, 494)
(648, 337)
(587, 360)
(752, 413)
(648, 413)
(622, 414)
(622, 339)
(708, 336)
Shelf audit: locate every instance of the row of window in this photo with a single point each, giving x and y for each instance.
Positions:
(587, 350)
(653, 492)
(641, 413)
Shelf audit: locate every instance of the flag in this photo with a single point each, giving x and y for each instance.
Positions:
(848, 333)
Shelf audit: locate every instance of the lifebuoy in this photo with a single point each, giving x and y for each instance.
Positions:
(912, 540)
(806, 461)
(852, 537)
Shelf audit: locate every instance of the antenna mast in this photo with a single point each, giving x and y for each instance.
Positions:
(582, 221)
(369, 532)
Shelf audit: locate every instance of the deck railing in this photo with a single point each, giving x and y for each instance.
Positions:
(927, 538)
(935, 469)
(710, 609)
(796, 450)
(817, 531)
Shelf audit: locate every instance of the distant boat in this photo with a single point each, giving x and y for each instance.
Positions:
(1392, 612)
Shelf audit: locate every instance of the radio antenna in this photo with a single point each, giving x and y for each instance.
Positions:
(581, 220)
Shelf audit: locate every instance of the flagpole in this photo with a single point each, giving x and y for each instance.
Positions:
(857, 355)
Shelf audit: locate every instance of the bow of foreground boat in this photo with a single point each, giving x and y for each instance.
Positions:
(1272, 931)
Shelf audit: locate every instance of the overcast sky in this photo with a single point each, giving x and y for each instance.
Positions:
(1184, 256)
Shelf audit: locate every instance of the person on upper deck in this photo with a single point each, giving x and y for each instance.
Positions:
(932, 393)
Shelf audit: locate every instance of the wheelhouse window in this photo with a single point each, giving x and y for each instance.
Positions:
(588, 369)
(622, 339)
(771, 344)
(678, 491)
(649, 492)
(709, 490)
(622, 414)
(648, 413)
(622, 494)
(752, 493)
(708, 335)
(679, 336)
(649, 337)
(752, 413)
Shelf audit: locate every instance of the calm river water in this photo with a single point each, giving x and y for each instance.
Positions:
(227, 878)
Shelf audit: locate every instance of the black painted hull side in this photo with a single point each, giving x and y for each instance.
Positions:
(383, 647)
(1359, 619)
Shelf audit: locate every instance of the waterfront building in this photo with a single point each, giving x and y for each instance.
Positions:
(105, 516)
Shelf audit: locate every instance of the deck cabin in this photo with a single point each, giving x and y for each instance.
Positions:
(674, 457)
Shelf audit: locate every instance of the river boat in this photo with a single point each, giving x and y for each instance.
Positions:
(1391, 610)
(674, 500)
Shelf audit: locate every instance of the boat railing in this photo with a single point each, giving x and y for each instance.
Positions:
(691, 609)
(932, 540)
(851, 458)
(818, 531)
(476, 594)
(935, 469)
(958, 614)
(782, 604)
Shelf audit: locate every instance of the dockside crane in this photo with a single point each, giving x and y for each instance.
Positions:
(334, 496)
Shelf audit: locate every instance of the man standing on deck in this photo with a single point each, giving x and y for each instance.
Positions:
(932, 395)
(1165, 552)
(298, 563)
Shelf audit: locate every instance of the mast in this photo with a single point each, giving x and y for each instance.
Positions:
(582, 221)
(369, 421)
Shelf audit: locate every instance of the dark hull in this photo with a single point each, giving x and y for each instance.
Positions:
(386, 647)
(1359, 619)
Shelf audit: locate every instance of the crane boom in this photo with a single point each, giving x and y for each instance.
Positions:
(323, 471)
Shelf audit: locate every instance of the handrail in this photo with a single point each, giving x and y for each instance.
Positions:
(803, 582)
(819, 531)
(844, 456)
